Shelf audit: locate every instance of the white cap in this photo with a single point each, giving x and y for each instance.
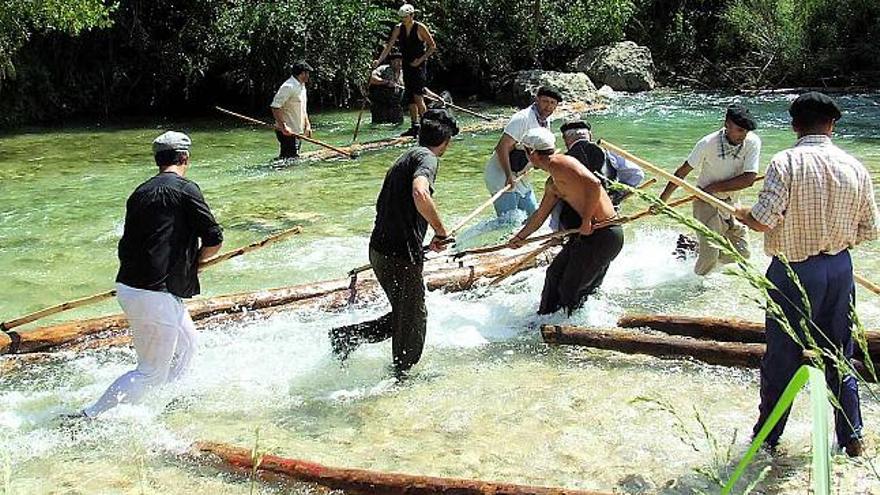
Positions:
(172, 141)
(405, 10)
(539, 139)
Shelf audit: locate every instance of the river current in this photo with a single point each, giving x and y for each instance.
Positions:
(488, 399)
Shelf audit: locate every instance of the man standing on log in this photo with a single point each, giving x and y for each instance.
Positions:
(168, 230)
(728, 162)
(507, 162)
(578, 137)
(579, 269)
(416, 45)
(404, 210)
(289, 109)
(817, 203)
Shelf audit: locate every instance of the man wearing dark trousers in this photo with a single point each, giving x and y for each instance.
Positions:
(404, 210)
(579, 269)
(289, 109)
(817, 203)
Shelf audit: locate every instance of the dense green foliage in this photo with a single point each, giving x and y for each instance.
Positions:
(96, 58)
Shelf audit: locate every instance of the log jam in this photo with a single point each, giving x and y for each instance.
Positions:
(443, 274)
(279, 469)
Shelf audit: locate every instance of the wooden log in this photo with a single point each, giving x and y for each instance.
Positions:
(723, 329)
(736, 354)
(440, 275)
(274, 468)
(713, 352)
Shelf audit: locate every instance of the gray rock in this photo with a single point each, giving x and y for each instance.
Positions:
(636, 484)
(624, 66)
(574, 86)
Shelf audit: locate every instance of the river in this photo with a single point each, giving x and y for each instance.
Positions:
(488, 400)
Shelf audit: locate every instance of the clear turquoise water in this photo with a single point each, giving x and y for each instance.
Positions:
(489, 400)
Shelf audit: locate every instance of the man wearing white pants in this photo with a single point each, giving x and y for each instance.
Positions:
(169, 229)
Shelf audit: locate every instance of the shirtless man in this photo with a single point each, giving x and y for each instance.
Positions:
(580, 267)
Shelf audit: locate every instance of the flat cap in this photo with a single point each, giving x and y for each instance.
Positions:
(816, 104)
(301, 66)
(740, 115)
(575, 123)
(172, 141)
(550, 91)
(442, 116)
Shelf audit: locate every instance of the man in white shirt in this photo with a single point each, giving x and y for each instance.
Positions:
(289, 109)
(728, 162)
(508, 163)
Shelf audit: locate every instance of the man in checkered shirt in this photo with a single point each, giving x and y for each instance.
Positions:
(817, 203)
(727, 161)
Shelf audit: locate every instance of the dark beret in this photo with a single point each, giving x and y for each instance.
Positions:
(551, 92)
(442, 116)
(741, 116)
(814, 104)
(575, 124)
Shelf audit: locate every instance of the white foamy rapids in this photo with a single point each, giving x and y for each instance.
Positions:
(485, 386)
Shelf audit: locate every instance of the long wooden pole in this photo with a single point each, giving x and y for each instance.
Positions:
(96, 298)
(461, 223)
(708, 198)
(297, 135)
(696, 191)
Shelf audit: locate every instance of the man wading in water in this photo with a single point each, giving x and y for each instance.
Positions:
(416, 45)
(403, 211)
(578, 270)
(728, 162)
(168, 230)
(817, 203)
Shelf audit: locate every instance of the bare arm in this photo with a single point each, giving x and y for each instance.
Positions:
(548, 201)
(741, 181)
(425, 36)
(208, 252)
(744, 215)
(394, 34)
(280, 124)
(502, 151)
(421, 190)
(683, 170)
(592, 194)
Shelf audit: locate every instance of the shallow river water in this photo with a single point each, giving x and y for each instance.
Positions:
(488, 399)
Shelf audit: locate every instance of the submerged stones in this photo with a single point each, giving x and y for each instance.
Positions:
(574, 86)
(623, 66)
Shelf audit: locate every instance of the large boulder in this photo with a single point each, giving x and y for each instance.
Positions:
(624, 66)
(574, 86)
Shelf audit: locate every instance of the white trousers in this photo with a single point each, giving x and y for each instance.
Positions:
(165, 341)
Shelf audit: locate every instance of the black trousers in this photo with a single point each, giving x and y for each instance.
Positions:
(579, 269)
(406, 324)
(289, 145)
(385, 105)
(414, 81)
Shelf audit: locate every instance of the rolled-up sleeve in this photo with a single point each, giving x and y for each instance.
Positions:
(200, 217)
(284, 93)
(773, 198)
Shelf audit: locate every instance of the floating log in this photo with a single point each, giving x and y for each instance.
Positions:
(274, 468)
(713, 352)
(442, 274)
(722, 329)
(738, 354)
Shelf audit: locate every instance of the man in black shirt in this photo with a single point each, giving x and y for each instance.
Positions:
(168, 230)
(403, 211)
